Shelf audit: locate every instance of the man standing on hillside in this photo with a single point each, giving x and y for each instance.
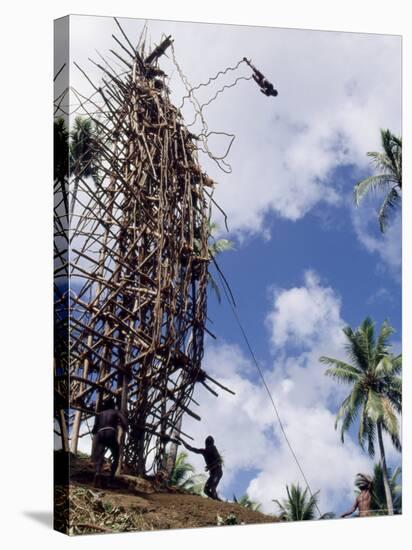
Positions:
(213, 465)
(105, 437)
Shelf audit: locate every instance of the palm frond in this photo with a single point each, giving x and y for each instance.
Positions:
(370, 184)
(392, 147)
(386, 367)
(390, 419)
(381, 345)
(357, 347)
(397, 363)
(340, 370)
(366, 336)
(342, 375)
(396, 442)
(393, 390)
(182, 470)
(389, 164)
(367, 432)
(374, 406)
(381, 161)
(390, 202)
(379, 505)
(298, 506)
(376, 394)
(351, 412)
(342, 412)
(247, 502)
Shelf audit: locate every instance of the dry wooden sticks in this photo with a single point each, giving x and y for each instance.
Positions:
(132, 296)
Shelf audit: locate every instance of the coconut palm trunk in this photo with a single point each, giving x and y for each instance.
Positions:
(385, 476)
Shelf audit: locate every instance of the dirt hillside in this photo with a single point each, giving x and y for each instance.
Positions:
(137, 504)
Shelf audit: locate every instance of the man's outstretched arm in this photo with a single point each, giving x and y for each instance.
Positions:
(352, 510)
(192, 449)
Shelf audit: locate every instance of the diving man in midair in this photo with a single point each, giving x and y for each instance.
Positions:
(265, 86)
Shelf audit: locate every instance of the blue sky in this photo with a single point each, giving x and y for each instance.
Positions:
(324, 242)
(258, 266)
(307, 262)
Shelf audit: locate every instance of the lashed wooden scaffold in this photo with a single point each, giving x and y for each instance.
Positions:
(137, 259)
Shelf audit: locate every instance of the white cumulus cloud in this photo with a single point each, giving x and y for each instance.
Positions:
(336, 90)
(386, 246)
(303, 315)
(245, 426)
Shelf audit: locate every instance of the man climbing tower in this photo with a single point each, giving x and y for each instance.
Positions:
(265, 86)
(364, 498)
(105, 437)
(213, 465)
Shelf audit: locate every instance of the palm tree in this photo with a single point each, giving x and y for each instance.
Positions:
(378, 490)
(299, 505)
(184, 478)
(82, 156)
(247, 502)
(389, 164)
(376, 390)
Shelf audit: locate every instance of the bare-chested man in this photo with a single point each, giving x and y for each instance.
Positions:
(364, 499)
(213, 465)
(265, 86)
(105, 437)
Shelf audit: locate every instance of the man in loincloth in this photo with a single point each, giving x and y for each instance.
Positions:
(364, 499)
(213, 465)
(105, 437)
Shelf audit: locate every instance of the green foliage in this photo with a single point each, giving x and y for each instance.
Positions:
(230, 519)
(73, 151)
(378, 490)
(375, 398)
(299, 504)
(389, 164)
(247, 502)
(184, 478)
(82, 156)
(108, 507)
